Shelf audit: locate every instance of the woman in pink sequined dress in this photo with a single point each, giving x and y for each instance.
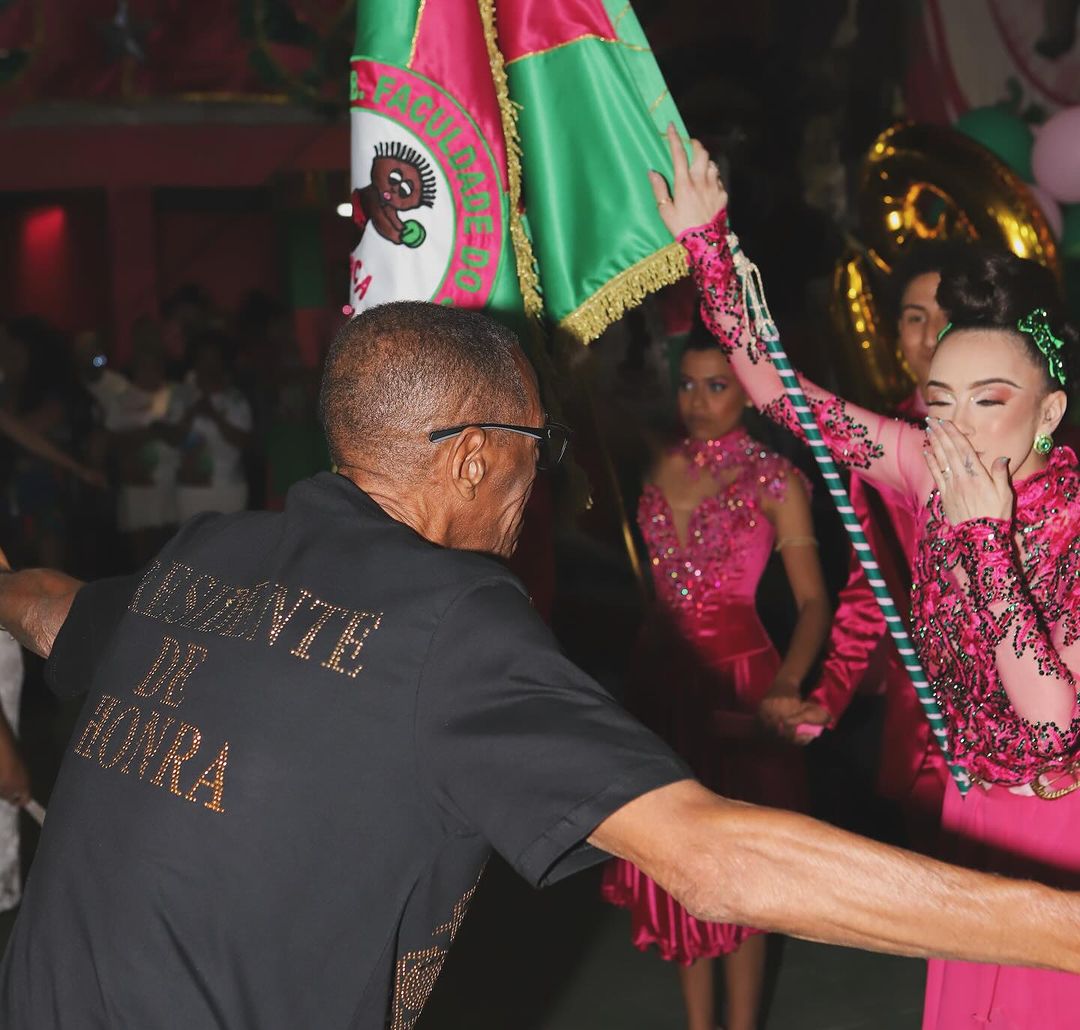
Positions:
(996, 592)
(716, 506)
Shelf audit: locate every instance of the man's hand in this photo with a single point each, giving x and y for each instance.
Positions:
(34, 604)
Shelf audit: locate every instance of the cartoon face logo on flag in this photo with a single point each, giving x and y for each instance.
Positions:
(426, 195)
(401, 180)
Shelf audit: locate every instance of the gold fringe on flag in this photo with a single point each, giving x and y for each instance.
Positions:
(528, 281)
(625, 291)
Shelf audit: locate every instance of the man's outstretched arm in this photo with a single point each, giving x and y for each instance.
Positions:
(34, 604)
(726, 861)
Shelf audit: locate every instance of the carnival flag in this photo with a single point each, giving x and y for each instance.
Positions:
(498, 158)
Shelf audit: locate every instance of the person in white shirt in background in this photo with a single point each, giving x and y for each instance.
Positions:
(104, 384)
(210, 421)
(147, 464)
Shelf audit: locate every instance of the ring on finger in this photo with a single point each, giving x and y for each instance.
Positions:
(946, 471)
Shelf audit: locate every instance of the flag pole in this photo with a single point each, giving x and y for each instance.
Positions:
(763, 326)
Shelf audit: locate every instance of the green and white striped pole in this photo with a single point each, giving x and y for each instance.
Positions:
(764, 327)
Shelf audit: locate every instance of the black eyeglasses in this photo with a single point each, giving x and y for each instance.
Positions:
(553, 436)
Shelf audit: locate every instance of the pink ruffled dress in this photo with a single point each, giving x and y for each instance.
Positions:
(706, 666)
(996, 604)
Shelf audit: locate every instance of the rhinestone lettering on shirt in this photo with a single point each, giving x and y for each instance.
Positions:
(417, 971)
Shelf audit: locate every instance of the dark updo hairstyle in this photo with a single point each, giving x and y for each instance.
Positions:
(994, 289)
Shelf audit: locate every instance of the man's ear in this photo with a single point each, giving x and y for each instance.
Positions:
(468, 462)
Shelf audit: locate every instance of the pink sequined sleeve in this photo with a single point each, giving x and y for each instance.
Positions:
(1017, 636)
(887, 451)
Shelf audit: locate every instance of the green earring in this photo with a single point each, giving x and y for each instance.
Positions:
(1044, 443)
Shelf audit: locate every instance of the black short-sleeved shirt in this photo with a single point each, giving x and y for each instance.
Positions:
(303, 734)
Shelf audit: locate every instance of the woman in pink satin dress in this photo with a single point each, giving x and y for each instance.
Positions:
(996, 575)
(717, 505)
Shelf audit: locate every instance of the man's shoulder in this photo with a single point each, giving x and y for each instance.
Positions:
(462, 572)
(332, 530)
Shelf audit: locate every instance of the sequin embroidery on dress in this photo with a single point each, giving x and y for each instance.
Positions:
(728, 536)
(973, 589)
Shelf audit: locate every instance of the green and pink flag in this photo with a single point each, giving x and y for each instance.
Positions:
(498, 157)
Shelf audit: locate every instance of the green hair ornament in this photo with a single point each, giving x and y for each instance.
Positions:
(1036, 324)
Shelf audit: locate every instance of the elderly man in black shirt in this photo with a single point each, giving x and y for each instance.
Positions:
(305, 731)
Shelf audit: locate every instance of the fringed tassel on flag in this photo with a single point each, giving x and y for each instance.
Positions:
(524, 259)
(625, 291)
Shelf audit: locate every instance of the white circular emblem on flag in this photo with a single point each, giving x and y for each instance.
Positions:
(426, 197)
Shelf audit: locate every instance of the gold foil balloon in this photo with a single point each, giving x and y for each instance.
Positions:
(923, 182)
(929, 182)
(869, 371)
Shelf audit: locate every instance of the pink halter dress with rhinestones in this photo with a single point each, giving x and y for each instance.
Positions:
(707, 665)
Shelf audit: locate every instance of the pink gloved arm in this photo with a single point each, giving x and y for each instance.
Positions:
(888, 452)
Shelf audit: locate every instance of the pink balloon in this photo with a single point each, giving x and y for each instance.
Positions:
(1055, 159)
(1050, 208)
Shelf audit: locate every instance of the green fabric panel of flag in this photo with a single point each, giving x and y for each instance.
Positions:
(387, 29)
(584, 150)
(640, 61)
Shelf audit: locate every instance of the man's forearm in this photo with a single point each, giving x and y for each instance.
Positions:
(810, 880)
(34, 604)
(730, 862)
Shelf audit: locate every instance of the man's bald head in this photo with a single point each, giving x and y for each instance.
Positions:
(397, 371)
